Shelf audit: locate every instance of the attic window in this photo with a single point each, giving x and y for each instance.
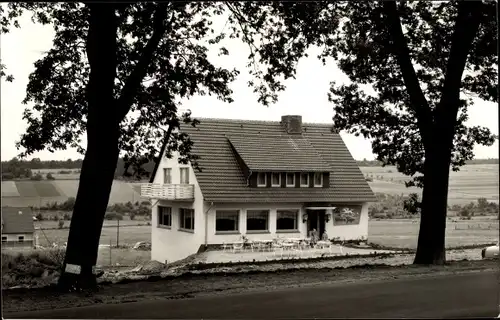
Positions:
(290, 179)
(318, 179)
(275, 179)
(304, 180)
(261, 179)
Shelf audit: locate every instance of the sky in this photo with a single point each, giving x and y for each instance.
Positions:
(306, 95)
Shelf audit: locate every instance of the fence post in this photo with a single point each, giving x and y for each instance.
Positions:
(110, 263)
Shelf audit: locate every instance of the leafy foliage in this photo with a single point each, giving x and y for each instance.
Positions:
(179, 69)
(376, 103)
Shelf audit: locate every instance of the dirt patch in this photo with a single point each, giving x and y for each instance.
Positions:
(192, 284)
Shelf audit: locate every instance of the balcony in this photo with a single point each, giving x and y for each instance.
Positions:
(167, 191)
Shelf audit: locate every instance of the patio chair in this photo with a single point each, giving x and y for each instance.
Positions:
(277, 246)
(237, 246)
(226, 246)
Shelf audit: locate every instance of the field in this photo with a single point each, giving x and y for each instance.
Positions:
(468, 184)
(404, 233)
(39, 193)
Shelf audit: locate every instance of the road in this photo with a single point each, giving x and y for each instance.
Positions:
(465, 295)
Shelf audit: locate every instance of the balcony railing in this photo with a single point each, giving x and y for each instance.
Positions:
(167, 191)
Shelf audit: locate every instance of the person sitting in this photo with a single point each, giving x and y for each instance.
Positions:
(324, 237)
(314, 237)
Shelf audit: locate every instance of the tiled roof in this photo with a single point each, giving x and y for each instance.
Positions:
(13, 222)
(222, 180)
(282, 152)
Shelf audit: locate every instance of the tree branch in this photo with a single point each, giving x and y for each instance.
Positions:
(466, 27)
(402, 53)
(135, 78)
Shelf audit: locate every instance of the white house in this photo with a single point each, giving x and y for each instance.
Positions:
(261, 179)
(17, 228)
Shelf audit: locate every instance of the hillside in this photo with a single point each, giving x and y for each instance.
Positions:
(469, 184)
(36, 193)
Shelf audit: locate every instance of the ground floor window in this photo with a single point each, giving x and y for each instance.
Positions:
(287, 219)
(258, 220)
(164, 216)
(227, 220)
(186, 218)
(20, 239)
(4, 238)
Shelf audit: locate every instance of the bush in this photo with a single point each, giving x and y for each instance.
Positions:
(132, 216)
(37, 177)
(64, 172)
(60, 224)
(55, 217)
(368, 179)
(66, 216)
(39, 217)
(113, 216)
(49, 176)
(68, 205)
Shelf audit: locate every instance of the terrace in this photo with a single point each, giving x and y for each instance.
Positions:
(168, 191)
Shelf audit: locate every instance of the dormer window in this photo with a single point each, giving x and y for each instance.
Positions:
(290, 179)
(275, 179)
(304, 180)
(261, 179)
(318, 179)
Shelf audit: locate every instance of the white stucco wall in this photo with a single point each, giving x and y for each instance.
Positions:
(213, 238)
(349, 232)
(172, 244)
(14, 237)
(346, 232)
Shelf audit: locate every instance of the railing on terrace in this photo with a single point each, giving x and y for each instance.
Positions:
(167, 191)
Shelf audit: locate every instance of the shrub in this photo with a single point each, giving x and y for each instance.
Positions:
(68, 205)
(49, 176)
(64, 172)
(368, 179)
(67, 216)
(60, 224)
(132, 216)
(39, 217)
(145, 203)
(37, 177)
(113, 216)
(55, 217)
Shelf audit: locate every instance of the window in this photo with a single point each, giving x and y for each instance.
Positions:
(318, 179)
(167, 175)
(164, 216)
(227, 220)
(261, 179)
(275, 180)
(186, 219)
(20, 239)
(304, 180)
(287, 219)
(4, 238)
(290, 179)
(184, 175)
(257, 220)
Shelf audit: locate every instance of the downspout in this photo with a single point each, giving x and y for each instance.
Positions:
(248, 178)
(206, 223)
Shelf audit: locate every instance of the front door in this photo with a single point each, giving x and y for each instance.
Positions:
(316, 220)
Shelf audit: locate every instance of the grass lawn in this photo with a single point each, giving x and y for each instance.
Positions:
(404, 233)
(128, 235)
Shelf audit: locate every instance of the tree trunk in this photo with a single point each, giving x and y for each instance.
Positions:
(99, 163)
(96, 180)
(431, 237)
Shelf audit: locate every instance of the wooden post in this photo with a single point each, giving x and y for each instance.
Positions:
(110, 263)
(117, 232)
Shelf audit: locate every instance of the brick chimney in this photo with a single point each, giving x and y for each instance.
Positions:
(292, 124)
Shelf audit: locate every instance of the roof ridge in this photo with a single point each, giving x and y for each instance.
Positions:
(259, 121)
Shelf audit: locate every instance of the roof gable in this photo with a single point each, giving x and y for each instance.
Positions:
(13, 222)
(276, 151)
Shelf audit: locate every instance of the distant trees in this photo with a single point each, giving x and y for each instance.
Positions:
(49, 176)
